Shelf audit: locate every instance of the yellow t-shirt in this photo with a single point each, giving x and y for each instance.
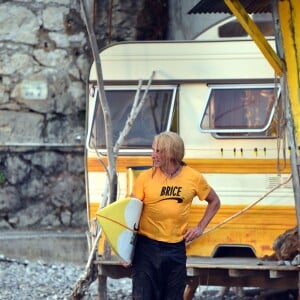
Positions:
(167, 202)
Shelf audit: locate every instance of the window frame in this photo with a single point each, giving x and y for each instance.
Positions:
(216, 131)
(130, 150)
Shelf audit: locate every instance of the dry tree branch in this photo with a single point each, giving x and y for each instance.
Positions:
(90, 272)
(102, 98)
(136, 108)
(88, 276)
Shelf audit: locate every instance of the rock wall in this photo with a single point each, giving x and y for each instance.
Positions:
(44, 65)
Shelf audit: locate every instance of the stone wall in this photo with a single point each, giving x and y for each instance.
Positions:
(44, 65)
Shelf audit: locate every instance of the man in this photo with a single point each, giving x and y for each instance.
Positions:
(167, 191)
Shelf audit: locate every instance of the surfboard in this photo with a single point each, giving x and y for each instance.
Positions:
(119, 222)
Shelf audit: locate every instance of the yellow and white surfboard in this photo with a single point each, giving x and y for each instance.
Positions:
(119, 222)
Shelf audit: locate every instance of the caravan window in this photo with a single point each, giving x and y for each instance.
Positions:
(155, 116)
(241, 111)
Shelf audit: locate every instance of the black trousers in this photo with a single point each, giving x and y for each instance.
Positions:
(159, 270)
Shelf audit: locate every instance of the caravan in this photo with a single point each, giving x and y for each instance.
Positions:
(224, 99)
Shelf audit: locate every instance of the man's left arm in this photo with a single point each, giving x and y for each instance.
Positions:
(213, 205)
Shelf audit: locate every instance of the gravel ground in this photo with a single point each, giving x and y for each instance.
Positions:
(28, 280)
(37, 280)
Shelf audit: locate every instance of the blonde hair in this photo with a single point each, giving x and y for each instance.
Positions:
(172, 146)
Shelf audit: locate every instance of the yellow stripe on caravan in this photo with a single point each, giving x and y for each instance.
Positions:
(209, 166)
(256, 228)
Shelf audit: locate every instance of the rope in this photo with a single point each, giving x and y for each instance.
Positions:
(248, 207)
(281, 124)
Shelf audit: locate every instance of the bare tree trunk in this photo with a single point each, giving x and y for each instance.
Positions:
(90, 273)
(103, 101)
